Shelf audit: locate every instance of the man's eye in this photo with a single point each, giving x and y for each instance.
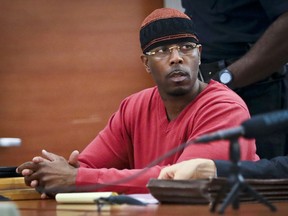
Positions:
(187, 47)
(162, 50)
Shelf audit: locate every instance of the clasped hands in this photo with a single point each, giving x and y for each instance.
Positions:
(50, 173)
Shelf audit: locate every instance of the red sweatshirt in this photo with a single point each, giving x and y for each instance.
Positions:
(139, 132)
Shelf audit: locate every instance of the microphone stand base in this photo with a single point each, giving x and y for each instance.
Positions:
(233, 196)
(236, 184)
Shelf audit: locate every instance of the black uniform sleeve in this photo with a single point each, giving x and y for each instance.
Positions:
(262, 169)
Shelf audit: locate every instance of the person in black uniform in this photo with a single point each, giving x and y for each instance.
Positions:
(245, 46)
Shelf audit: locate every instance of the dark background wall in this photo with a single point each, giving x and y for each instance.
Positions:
(64, 68)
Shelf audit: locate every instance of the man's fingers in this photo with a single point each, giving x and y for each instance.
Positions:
(183, 174)
(26, 172)
(166, 176)
(30, 180)
(27, 165)
(44, 196)
(73, 159)
(39, 159)
(50, 156)
(34, 183)
(167, 173)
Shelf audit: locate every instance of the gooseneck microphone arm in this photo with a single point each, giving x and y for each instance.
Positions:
(221, 135)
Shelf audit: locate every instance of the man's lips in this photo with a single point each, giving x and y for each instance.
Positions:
(177, 76)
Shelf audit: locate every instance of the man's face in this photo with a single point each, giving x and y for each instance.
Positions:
(174, 67)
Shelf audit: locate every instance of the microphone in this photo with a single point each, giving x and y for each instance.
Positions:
(257, 126)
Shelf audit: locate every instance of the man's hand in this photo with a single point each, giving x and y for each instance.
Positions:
(50, 173)
(191, 169)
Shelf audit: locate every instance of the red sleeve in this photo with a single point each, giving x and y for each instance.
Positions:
(113, 149)
(121, 181)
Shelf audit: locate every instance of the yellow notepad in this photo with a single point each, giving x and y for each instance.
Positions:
(82, 197)
(21, 194)
(12, 183)
(14, 188)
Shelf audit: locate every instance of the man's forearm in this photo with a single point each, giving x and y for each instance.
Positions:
(267, 55)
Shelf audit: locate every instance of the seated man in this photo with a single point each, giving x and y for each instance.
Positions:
(150, 123)
(205, 168)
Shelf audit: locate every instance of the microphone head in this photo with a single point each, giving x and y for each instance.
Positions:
(266, 124)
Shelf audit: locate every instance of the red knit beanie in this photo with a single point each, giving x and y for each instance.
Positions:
(164, 26)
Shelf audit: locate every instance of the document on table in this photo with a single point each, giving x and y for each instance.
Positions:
(82, 197)
(90, 197)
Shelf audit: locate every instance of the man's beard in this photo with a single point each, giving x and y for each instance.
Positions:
(178, 92)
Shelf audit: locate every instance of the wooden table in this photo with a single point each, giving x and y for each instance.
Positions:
(51, 208)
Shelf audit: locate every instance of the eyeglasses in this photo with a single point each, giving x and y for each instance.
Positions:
(164, 51)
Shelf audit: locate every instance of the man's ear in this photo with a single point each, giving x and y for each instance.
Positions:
(145, 63)
(199, 53)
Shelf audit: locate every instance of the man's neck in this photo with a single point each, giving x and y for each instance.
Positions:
(176, 104)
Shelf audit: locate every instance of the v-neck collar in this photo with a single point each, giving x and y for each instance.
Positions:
(165, 124)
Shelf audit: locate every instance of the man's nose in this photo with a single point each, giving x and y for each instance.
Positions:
(175, 57)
